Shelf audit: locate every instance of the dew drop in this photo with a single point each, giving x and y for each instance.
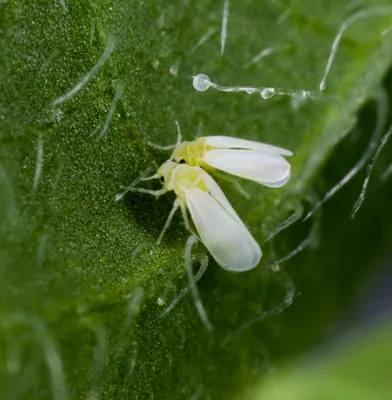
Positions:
(267, 93)
(201, 82)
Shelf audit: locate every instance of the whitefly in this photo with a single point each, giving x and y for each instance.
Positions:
(218, 226)
(256, 161)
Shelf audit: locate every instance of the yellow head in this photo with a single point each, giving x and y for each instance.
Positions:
(165, 170)
(190, 153)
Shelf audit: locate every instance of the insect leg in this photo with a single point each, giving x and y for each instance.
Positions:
(176, 204)
(133, 184)
(148, 178)
(186, 220)
(156, 193)
(170, 147)
(163, 148)
(179, 138)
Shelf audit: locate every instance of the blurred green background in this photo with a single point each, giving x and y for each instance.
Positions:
(83, 283)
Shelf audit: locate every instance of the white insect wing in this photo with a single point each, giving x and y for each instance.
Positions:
(219, 196)
(228, 241)
(226, 142)
(265, 168)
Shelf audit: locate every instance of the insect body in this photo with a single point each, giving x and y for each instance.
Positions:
(217, 224)
(256, 161)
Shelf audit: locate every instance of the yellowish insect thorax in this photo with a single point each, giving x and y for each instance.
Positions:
(191, 153)
(186, 177)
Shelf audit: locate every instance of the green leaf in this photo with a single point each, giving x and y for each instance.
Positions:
(85, 282)
(359, 369)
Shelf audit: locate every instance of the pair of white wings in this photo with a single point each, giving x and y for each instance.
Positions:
(220, 228)
(256, 161)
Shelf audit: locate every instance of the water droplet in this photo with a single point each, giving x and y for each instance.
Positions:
(267, 93)
(201, 82)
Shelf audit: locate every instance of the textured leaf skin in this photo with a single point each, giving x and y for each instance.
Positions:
(67, 255)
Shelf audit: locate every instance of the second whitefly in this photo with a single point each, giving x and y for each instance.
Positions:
(259, 162)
